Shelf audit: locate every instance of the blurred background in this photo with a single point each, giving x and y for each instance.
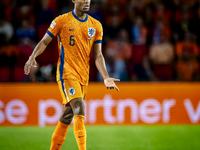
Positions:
(144, 40)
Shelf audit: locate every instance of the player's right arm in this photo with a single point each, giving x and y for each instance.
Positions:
(39, 49)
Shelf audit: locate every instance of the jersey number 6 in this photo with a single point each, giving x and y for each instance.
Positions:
(72, 40)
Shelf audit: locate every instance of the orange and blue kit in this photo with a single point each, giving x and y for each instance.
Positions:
(76, 38)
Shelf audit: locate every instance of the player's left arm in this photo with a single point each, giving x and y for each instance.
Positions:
(100, 64)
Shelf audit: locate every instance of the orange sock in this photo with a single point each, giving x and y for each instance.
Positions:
(80, 132)
(58, 136)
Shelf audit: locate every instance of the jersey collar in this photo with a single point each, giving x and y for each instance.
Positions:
(86, 18)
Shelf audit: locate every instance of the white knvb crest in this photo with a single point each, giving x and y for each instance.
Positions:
(91, 32)
(71, 91)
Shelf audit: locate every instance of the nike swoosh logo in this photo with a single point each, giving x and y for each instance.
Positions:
(71, 29)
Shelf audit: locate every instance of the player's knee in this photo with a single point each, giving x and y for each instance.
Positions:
(66, 118)
(67, 115)
(66, 121)
(78, 106)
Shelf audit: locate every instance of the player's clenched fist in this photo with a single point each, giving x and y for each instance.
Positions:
(31, 62)
(110, 83)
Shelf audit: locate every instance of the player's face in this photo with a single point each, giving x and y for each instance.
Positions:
(82, 5)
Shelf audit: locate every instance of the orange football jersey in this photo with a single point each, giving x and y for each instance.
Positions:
(75, 40)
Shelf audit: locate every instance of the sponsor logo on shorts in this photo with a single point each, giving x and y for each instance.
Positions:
(71, 91)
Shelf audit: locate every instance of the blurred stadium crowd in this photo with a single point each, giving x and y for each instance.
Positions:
(144, 40)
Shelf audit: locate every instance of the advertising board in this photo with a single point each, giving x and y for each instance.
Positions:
(136, 103)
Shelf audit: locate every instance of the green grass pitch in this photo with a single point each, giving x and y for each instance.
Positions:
(106, 138)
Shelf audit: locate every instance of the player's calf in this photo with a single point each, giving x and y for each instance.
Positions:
(78, 108)
(60, 132)
(58, 136)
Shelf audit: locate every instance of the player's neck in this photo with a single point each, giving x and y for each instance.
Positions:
(79, 14)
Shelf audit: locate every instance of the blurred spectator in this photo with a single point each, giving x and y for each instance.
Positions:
(136, 66)
(139, 32)
(187, 67)
(25, 13)
(26, 36)
(189, 44)
(121, 46)
(138, 6)
(116, 67)
(26, 33)
(162, 13)
(118, 53)
(162, 56)
(6, 29)
(160, 28)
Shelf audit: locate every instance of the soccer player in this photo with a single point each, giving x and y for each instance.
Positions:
(77, 33)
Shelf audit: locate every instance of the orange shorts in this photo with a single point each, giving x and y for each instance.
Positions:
(71, 89)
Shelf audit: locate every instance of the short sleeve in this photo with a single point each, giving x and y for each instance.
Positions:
(99, 33)
(55, 27)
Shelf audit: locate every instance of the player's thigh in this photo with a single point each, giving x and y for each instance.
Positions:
(78, 106)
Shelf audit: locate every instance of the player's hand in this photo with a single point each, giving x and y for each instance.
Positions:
(110, 83)
(31, 62)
